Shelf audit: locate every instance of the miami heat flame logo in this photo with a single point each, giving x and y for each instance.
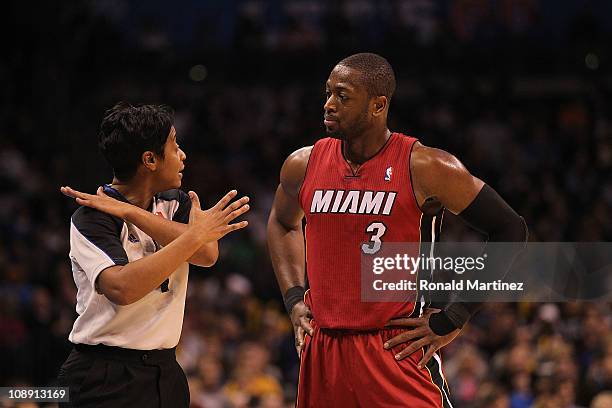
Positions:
(388, 173)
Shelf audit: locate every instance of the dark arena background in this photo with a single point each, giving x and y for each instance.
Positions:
(519, 90)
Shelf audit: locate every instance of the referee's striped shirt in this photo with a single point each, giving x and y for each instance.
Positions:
(98, 241)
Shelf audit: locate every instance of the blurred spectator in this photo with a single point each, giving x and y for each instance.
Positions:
(250, 380)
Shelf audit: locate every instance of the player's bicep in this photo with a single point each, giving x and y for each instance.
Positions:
(462, 187)
(286, 209)
(442, 177)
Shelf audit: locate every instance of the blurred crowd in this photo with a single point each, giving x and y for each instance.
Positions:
(517, 90)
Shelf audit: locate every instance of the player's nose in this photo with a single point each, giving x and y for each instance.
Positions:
(330, 105)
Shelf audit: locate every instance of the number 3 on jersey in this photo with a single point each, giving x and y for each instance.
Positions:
(377, 229)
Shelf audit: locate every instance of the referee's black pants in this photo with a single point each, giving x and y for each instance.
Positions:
(103, 376)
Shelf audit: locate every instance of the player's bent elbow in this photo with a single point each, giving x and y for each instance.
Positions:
(519, 230)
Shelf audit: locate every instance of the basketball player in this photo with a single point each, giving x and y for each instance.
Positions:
(365, 183)
(130, 246)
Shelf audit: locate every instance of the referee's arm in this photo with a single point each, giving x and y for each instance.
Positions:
(129, 283)
(163, 231)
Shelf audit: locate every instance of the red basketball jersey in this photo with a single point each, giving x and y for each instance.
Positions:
(343, 211)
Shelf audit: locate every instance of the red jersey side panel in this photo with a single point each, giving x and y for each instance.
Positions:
(344, 210)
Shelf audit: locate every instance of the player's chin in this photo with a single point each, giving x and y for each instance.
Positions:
(333, 132)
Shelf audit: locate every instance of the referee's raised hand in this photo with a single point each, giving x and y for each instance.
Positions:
(214, 223)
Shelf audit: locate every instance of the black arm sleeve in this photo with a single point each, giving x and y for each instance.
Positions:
(492, 216)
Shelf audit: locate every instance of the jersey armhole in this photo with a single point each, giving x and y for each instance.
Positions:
(305, 174)
(416, 202)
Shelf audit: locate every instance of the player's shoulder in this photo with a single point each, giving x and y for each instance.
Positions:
(294, 169)
(431, 159)
(90, 221)
(432, 169)
(301, 156)
(175, 194)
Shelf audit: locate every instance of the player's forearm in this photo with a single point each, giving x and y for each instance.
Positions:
(286, 246)
(166, 231)
(133, 281)
(491, 215)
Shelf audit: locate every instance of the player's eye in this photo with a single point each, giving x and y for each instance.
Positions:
(327, 94)
(342, 97)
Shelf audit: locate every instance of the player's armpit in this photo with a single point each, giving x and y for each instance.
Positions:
(440, 176)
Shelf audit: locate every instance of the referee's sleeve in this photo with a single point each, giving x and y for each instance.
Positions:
(182, 212)
(95, 242)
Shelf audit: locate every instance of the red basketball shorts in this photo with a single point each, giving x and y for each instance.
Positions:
(347, 368)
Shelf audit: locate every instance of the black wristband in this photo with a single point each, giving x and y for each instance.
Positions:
(293, 296)
(440, 324)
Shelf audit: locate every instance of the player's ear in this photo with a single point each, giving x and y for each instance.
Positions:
(380, 105)
(149, 160)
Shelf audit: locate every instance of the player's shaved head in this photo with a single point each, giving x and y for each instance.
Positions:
(376, 73)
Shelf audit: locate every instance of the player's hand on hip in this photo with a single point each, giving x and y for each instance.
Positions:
(421, 337)
(99, 201)
(300, 318)
(214, 223)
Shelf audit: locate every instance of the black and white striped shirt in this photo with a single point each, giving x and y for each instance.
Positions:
(99, 241)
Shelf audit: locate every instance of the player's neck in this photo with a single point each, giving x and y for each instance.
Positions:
(360, 149)
(137, 191)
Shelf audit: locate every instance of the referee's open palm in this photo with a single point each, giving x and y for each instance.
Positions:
(214, 223)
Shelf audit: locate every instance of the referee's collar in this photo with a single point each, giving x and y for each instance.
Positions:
(113, 192)
(110, 191)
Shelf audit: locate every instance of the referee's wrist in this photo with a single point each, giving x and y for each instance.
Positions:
(292, 297)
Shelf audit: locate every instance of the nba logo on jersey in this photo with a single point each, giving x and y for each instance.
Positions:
(388, 173)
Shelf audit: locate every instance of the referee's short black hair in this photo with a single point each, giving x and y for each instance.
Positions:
(127, 131)
(376, 73)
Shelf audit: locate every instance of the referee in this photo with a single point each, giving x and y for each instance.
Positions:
(130, 245)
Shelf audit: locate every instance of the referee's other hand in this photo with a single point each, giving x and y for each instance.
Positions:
(214, 223)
